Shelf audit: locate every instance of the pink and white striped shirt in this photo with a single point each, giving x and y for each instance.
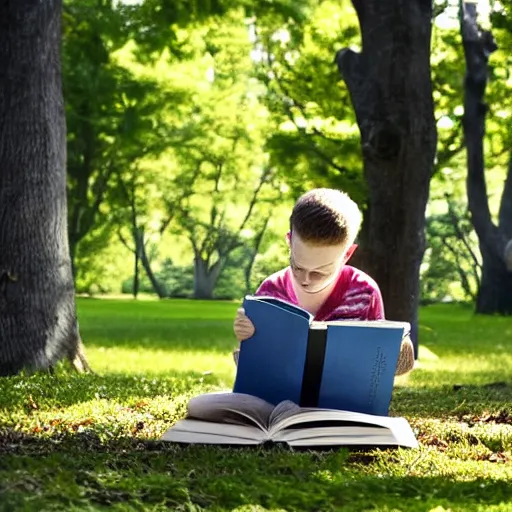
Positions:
(355, 296)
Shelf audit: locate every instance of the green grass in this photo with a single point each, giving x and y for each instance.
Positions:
(90, 442)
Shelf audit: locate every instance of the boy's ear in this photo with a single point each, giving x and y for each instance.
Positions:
(288, 238)
(349, 252)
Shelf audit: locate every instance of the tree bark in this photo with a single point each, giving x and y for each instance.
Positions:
(38, 324)
(205, 277)
(136, 277)
(390, 87)
(159, 288)
(495, 291)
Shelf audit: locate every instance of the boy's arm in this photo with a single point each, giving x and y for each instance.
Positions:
(406, 358)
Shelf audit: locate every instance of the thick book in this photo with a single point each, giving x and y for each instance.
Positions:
(239, 419)
(348, 364)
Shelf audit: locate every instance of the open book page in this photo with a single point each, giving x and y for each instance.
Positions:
(283, 410)
(398, 432)
(311, 415)
(179, 436)
(287, 306)
(301, 426)
(364, 439)
(231, 408)
(207, 432)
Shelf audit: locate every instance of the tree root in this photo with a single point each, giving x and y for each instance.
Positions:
(79, 360)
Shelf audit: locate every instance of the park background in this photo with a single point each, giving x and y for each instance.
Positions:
(185, 156)
(191, 129)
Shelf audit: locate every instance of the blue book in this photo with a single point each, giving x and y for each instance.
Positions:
(346, 365)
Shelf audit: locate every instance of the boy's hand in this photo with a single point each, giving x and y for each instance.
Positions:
(243, 327)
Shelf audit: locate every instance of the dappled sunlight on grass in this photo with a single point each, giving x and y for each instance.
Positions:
(90, 442)
(475, 369)
(139, 361)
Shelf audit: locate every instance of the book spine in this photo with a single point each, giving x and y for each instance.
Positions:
(313, 367)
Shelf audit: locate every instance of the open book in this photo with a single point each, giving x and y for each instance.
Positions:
(239, 419)
(347, 365)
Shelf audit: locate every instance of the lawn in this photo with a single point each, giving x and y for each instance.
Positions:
(90, 442)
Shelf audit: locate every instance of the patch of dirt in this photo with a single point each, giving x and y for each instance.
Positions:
(503, 417)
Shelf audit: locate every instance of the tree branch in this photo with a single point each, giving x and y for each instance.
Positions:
(265, 176)
(462, 274)
(455, 221)
(172, 206)
(327, 159)
(478, 45)
(351, 68)
(125, 242)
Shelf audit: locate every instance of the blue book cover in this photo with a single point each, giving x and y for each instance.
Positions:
(359, 366)
(271, 363)
(347, 365)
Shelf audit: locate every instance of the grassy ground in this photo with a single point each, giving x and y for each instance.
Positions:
(72, 442)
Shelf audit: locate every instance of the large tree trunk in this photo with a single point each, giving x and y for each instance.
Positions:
(495, 292)
(205, 277)
(390, 87)
(38, 324)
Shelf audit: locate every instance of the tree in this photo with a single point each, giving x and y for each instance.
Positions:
(495, 291)
(113, 113)
(155, 24)
(215, 226)
(167, 194)
(38, 324)
(222, 171)
(316, 142)
(390, 87)
(452, 267)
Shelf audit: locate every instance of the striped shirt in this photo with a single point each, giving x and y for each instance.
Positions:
(355, 296)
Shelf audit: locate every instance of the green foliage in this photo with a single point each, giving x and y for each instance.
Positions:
(155, 24)
(273, 259)
(230, 182)
(452, 264)
(113, 117)
(90, 442)
(316, 142)
(101, 263)
(177, 280)
(231, 284)
(159, 95)
(448, 69)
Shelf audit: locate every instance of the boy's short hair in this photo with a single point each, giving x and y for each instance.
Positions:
(325, 216)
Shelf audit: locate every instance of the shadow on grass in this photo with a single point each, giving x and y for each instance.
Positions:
(44, 391)
(159, 325)
(71, 469)
(459, 399)
(161, 334)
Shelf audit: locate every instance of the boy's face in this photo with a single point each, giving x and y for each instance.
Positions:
(315, 267)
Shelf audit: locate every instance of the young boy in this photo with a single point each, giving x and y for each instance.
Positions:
(323, 226)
